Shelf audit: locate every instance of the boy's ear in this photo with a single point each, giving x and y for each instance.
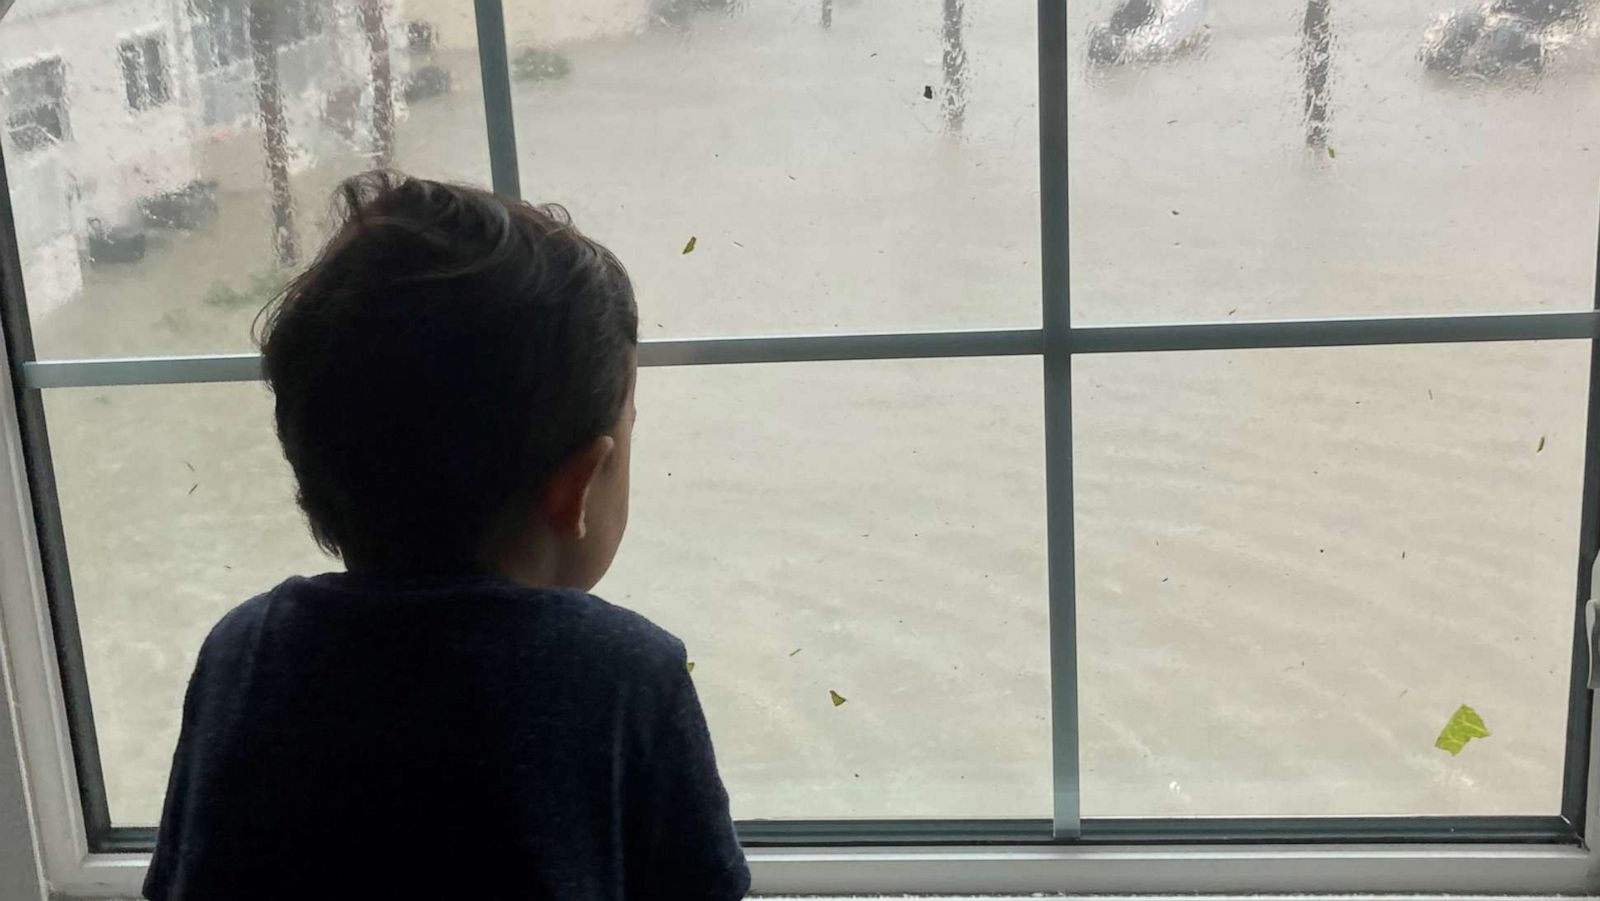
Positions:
(566, 496)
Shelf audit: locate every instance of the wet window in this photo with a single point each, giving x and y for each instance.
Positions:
(1125, 412)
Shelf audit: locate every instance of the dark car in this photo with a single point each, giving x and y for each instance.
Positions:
(1501, 37)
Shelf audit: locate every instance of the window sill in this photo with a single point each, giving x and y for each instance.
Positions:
(59, 897)
(1420, 871)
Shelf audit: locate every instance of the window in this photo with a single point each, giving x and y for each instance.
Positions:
(221, 28)
(144, 72)
(221, 33)
(35, 97)
(299, 20)
(1153, 421)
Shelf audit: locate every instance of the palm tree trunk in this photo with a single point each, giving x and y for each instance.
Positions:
(371, 15)
(274, 129)
(955, 65)
(1316, 53)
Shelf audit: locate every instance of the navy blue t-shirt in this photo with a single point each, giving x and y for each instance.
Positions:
(352, 737)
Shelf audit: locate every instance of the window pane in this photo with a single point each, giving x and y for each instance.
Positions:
(793, 559)
(34, 95)
(1203, 190)
(874, 529)
(832, 178)
(1294, 566)
(177, 505)
(131, 75)
(155, 71)
(149, 227)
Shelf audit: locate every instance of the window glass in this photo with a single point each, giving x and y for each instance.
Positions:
(191, 179)
(1282, 159)
(874, 529)
(176, 505)
(794, 560)
(877, 171)
(1295, 566)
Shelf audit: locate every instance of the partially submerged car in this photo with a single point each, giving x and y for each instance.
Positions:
(1502, 38)
(1142, 31)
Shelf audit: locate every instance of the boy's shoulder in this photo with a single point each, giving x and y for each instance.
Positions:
(606, 633)
(582, 625)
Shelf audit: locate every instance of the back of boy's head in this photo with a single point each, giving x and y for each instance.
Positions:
(443, 354)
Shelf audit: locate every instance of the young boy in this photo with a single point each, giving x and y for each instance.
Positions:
(453, 717)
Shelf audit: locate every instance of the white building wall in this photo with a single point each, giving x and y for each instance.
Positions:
(113, 154)
(116, 154)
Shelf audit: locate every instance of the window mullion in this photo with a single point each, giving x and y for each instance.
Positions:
(1057, 312)
(494, 70)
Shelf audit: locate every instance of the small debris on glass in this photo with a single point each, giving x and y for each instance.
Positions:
(1463, 726)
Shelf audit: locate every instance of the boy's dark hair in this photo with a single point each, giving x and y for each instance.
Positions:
(445, 351)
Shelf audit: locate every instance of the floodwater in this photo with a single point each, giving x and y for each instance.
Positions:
(1292, 565)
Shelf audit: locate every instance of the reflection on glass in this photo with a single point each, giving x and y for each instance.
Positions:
(1256, 159)
(1295, 565)
(170, 162)
(842, 166)
(794, 559)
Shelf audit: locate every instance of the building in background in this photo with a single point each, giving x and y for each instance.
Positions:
(123, 118)
(542, 22)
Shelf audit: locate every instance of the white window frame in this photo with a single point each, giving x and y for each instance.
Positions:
(1063, 854)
